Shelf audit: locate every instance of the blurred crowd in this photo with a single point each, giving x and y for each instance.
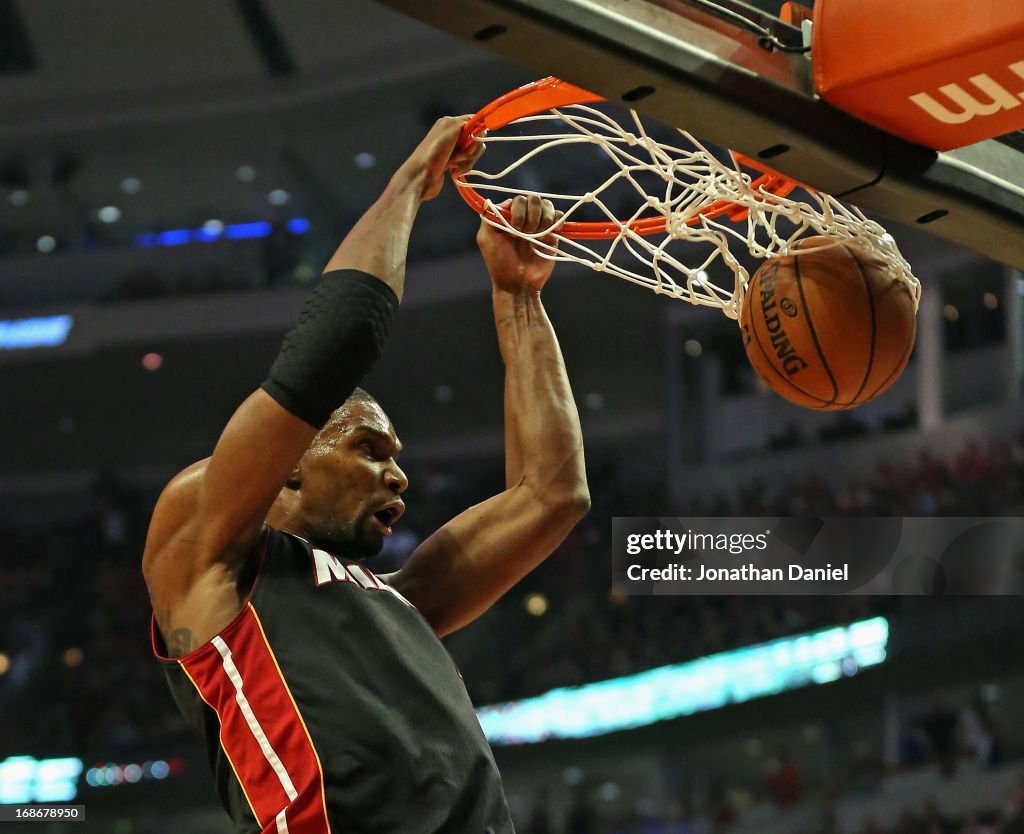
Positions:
(1004, 817)
(78, 672)
(960, 755)
(983, 478)
(75, 661)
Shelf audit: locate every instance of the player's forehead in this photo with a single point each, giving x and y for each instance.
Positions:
(370, 418)
(365, 417)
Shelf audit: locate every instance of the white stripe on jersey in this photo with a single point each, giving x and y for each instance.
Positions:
(254, 725)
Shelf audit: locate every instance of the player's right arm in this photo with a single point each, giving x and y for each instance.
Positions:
(209, 517)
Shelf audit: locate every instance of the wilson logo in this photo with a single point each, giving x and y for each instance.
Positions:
(958, 105)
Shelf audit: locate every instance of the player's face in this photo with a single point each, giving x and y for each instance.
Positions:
(352, 485)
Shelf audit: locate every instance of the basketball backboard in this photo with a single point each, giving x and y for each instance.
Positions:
(696, 65)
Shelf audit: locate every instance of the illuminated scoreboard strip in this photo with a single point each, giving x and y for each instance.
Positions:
(687, 688)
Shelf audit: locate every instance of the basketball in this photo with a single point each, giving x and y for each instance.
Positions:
(828, 329)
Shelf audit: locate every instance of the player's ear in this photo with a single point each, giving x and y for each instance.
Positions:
(295, 479)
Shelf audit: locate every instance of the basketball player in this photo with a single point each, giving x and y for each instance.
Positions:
(326, 701)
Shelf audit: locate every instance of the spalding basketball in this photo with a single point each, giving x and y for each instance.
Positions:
(828, 329)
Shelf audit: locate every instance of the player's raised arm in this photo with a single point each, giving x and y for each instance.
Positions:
(209, 517)
(463, 568)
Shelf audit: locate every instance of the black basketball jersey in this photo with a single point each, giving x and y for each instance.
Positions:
(329, 705)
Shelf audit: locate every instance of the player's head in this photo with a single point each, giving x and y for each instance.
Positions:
(344, 493)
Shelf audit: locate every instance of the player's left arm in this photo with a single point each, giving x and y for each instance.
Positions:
(463, 568)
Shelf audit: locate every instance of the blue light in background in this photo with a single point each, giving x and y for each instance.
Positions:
(114, 775)
(235, 231)
(687, 688)
(240, 231)
(205, 235)
(173, 237)
(25, 779)
(57, 780)
(44, 331)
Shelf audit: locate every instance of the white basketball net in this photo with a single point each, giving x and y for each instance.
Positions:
(693, 178)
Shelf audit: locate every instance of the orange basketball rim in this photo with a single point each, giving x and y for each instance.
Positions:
(551, 93)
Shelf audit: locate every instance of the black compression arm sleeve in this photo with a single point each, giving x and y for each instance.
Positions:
(339, 335)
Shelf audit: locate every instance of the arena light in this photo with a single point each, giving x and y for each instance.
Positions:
(210, 231)
(26, 779)
(240, 231)
(109, 214)
(216, 230)
(173, 237)
(113, 774)
(43, 331)
(687, 688)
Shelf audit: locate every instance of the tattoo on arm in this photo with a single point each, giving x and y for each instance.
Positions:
(180, 642)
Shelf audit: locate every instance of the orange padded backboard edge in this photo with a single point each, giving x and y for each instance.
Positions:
(941, 73)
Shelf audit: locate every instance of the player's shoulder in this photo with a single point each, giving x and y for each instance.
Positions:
(181, 495)
(176, 505)
(187, 482)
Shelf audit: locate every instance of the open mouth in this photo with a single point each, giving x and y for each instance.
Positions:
(388, 516)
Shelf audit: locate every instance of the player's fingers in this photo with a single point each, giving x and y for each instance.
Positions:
(447, 130)
(479, 146)
(496, 211)
(462, 163)
(547, 214)
(448, 124)
(534, 211)
(519, 212)
(552, 227)
(478, 151)
(471, 147)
